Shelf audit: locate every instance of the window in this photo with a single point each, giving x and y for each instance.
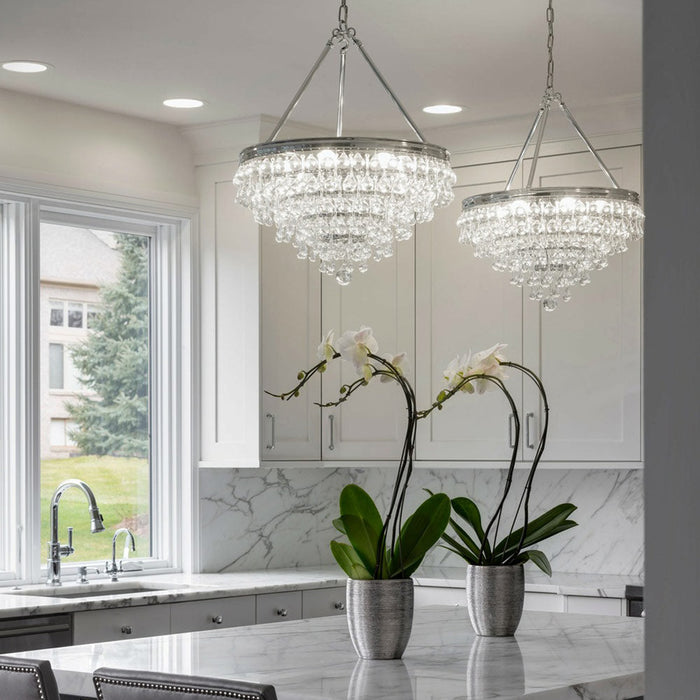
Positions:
(92, 346)
(55, 366)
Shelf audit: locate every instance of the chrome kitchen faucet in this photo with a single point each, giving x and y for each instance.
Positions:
(57, 550)
(112, 568)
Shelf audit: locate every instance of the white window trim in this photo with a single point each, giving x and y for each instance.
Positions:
(175, 499)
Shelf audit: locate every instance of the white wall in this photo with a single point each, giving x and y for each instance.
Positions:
(47, 142)
(672, 338)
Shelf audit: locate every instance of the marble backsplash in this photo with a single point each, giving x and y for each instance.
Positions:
(277, 518)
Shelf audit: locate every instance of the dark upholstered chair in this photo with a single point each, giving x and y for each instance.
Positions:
(26, 679)
(122, 684)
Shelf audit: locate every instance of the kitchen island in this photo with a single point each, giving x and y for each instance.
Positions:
(554, 656)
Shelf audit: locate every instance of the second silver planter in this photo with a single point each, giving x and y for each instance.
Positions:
(380, 616)
(495, 597)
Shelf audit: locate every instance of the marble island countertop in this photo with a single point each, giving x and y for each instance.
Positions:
(554, 656)
(171, 588)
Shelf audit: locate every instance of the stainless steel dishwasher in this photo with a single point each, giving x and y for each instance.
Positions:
(36, 632)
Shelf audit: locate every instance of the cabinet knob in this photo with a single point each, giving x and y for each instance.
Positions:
(126, 629)
(339, 605)
(282, 612)
(217, 620)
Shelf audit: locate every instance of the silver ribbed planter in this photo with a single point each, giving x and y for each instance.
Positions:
(495, 599)
(380, 616)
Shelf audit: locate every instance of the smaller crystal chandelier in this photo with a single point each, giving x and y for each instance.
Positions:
(343, 201)
(550, 239)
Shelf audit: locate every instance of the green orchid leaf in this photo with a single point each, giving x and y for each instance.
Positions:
(420, 532)
(338, 525)
(348, 561)
(469, 511)
(541, 528)
(363, 538)
(463, 552)
(356, 501)
(538, 558)
(464, 536)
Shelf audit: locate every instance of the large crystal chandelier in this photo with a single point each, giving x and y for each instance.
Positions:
(550, 239)
(343, 201)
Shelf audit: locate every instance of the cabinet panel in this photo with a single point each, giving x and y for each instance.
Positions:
(588, 351)
(463, 305)
(372, 424)
(433, 595)
(196, 615)
(290, 332)
(544, 602)
(278, 607)
(121, 623)
(319, 602)
(594, 606)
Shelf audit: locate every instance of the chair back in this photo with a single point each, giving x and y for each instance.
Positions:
(26, 679)
(123, 684)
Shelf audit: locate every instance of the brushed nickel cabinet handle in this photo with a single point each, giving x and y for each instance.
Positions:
(339, 605)
(126, 629)
(282, 612)
(529, 419)
(217, 620)
(271, 445)
(331, 443)
(511, 430)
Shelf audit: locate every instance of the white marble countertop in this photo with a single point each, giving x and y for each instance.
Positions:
(554, 656)
(172, 588)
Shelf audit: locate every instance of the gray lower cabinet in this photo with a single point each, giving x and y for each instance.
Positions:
(319, 602)
(278, 607)
(197, 615)
(120, 623)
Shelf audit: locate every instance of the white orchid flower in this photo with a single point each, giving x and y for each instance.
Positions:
(488, 362)
(355, 346)
(455, 372)
(396, 361)
(326, 349)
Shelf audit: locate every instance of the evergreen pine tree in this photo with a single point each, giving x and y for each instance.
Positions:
(113, 362)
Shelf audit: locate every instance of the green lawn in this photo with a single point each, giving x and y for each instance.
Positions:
(121, 488)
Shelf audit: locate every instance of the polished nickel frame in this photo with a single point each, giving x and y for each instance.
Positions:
(616, 193)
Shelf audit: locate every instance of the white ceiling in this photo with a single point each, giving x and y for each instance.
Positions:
(247, 57)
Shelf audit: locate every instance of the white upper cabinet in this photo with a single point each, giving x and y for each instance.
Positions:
(588, 351)
(462, 304)
(290, 334)
(371, 425)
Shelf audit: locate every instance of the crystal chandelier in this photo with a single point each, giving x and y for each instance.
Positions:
(343, 201)
(550, 239)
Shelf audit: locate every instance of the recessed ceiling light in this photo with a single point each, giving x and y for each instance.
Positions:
(26, 66)
(183, 103)
(442, 109)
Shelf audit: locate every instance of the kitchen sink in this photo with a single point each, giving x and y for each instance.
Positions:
(94, 590)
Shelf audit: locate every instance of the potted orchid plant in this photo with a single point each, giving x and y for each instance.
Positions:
(381, 554)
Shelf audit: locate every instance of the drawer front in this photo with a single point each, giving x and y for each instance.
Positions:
(435, 595)
(122, 623)
(197, 615)
(278, 607)
(595, 606)
(545, 602)
(319, 602)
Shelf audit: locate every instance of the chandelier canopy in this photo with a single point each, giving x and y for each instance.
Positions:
(343, 201)
(550, 239)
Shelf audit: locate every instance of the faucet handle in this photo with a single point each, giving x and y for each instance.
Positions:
(67, 549)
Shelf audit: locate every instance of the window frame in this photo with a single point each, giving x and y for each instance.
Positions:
(173, 483)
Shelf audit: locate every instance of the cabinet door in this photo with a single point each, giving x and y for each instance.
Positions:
(319, 602)
(291, 332)
(430, 595)
(120, 623)
(278, 607)
(372, 424)
(196, 615)
(588, 351)
(462, 304)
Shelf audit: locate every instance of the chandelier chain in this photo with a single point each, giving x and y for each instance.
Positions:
(550, 47)
(343, 16)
